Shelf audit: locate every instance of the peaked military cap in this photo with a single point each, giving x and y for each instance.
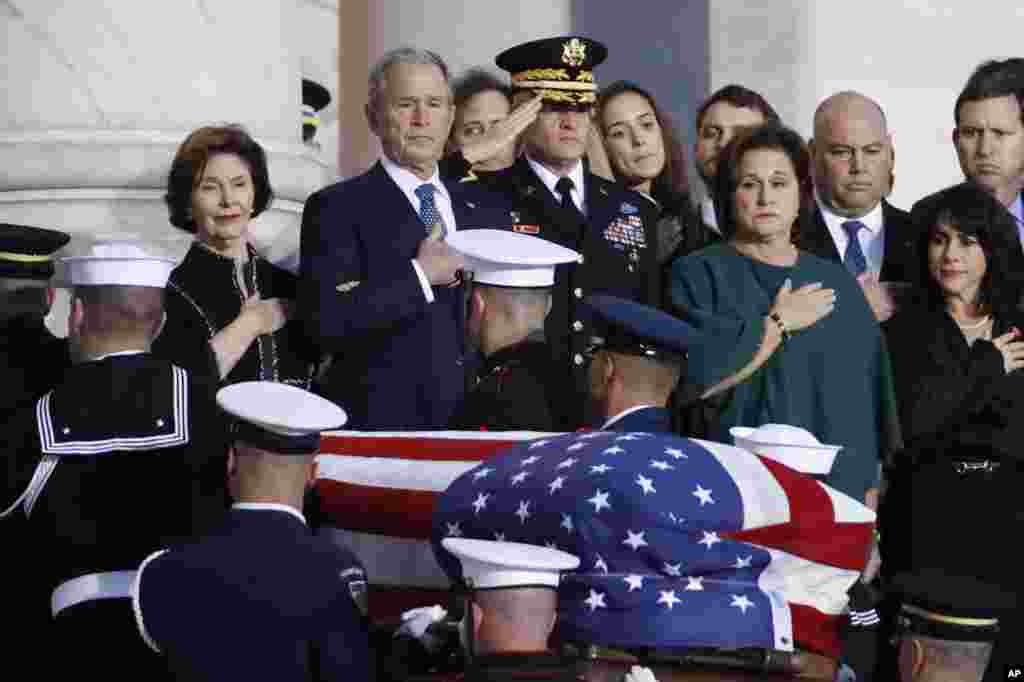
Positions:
(27, 252)
(488, 565)
(561, 69)
(279, 418)
(315, 98)
(507, 259)
(949, 607)
(635, 329)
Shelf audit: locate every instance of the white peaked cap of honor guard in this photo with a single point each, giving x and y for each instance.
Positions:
(508, 259)
(280, 409)
(118, 263)
(487, 564)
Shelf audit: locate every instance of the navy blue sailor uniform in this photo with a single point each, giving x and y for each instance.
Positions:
(261, 598)
(126, 455)
(399, 360)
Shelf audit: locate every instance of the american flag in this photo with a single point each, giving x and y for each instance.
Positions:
(682, 542)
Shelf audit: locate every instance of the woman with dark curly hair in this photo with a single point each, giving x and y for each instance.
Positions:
(228, 309)
(646, 156)
(787, 337)
(957, 359)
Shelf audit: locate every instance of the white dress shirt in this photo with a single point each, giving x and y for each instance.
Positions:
(623, 414)
(872, 240)
(708, 215)
(550, 180)
(270, 506)
(1017, 211)
(408, 183)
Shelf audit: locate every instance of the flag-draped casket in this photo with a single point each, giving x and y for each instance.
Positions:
(683, 543)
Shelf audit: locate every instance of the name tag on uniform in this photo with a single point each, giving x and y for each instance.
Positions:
(526, 229)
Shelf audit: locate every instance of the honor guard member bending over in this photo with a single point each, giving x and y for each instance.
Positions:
(126, 455)
(636, 359)
(555, 197)
(947, 626)
(518, 387)
(511, 602)
(261, 598)
(32, 360)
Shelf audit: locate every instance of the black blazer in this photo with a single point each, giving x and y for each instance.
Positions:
(899, 262)
(398, 361)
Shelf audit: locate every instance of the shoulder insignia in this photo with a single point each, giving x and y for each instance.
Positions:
(346, 287)
(526, 229)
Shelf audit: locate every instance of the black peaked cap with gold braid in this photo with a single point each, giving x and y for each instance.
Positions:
(561, 68)
(27, 252)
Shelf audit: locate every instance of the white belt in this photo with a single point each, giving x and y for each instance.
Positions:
(112, 585)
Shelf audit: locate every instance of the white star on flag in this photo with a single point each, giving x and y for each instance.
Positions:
(483, 473)
(600, 564)
(566, 463)
(709, 539)
(566, 523)
(635, 582)
(524, 511)
(741, 602)
(499, 537)
(743, 563)
(453, 530)
(630, 436)
(519, 478)
(676, 519)
(676, 453)
(613, 450)
(480, 503)
(694, 584)
(661, 466)
(646, 483)
(600, 469)
(703, 495)
(668, 598)
(575, 446)
(635, 540)
(556, 485)
(600, 501)
(592, 434)
(595, 601)
(532, 459)
(674, 569)
(539, 444)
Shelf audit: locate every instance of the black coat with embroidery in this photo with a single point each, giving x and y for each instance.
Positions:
(203, 297)
(515, 391)
(618, 242)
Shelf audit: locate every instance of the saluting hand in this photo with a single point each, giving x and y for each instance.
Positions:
(803, 307)
(1011, 349)
(503, 133)
(271, 314)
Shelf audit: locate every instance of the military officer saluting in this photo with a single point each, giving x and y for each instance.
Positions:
(518, 387)
(261, 598)
(555, 197)
(126, 455)
(32, 359)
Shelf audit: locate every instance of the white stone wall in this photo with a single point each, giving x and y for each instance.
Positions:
(912, 56)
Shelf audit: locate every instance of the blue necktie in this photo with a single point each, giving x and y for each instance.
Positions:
(428, 209)
(854, 259)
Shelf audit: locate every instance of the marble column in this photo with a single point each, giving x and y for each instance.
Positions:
(99, 94)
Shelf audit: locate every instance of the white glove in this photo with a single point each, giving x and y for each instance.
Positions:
(416, 621)
(639, 674)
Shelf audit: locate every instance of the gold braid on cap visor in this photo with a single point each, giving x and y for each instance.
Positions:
(23, 257)
(567, 96)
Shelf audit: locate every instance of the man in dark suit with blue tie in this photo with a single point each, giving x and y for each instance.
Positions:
(853, 223)
(379, 288)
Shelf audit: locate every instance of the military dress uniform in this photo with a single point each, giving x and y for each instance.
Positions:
(32, 359)
(261, 597)
(517, 386)
(124, 456)
(616, 231)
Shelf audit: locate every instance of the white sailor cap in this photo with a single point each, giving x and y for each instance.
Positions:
(279, 418)
(118, 263)
(508, 259)
(487, 564)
